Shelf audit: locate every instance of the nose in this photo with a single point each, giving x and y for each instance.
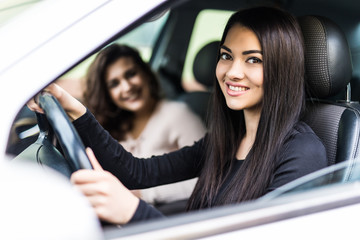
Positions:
(125, 85)
(236, 71)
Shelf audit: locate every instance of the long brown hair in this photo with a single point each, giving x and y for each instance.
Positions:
(283, 102)
(96, 97)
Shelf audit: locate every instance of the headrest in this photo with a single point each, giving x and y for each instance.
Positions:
(205, 64)
(327, 56)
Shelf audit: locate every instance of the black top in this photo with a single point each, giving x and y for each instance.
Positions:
(301, 154)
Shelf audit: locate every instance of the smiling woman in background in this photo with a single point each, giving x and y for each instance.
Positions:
(124, 95)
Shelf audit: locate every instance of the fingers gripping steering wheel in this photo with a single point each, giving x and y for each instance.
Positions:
(69, 140)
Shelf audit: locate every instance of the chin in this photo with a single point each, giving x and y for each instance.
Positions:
(137, 106)
(235, 108)
(235, 105)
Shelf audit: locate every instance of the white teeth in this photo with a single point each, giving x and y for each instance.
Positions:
(237, 89)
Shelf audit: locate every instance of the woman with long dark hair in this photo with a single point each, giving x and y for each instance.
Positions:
(281, 59)
(256, 140)
(125, 97)
(104, 76)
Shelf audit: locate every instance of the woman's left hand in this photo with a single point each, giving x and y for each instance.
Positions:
(73, 107)
(111, 200)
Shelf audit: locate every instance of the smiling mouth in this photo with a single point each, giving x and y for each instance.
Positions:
(237, 89)
(131, 98)
(135, 95)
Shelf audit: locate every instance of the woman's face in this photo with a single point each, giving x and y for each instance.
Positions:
(127, 85)
(239, 70)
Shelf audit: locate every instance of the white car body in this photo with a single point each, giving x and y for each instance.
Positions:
(54, 35)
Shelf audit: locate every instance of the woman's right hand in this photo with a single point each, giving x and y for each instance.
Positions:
(111, 200)
(71, 105)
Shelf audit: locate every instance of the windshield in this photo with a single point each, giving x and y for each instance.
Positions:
(11, 8)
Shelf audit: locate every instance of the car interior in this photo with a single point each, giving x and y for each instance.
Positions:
(204, 70)
(328, 72)
(332, 78)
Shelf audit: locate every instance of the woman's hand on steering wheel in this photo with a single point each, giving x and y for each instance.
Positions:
(111, 200)
(73, 108)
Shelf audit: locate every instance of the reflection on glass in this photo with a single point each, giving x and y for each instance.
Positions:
(347, 171)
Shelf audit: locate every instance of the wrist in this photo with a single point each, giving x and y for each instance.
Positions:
(132, 206)
(77, 112)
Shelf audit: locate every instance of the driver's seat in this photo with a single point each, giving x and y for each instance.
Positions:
(328, 73)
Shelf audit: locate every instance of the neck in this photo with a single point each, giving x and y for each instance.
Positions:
(145, 112)
(252, 119)
(141, 119)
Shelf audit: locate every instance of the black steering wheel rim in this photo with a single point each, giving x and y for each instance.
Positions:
(69, 140)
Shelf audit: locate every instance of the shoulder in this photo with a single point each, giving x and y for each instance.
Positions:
(173, 105)
(302, 127)
(303, 132)
(302, 143)
(175, 109)
(302, 153)
(179, 122)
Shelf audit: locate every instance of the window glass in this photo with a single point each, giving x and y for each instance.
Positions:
(346, 171)
(208, 27)
(142, 38)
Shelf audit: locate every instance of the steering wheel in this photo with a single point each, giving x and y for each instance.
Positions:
(69, 140)
(55, 130)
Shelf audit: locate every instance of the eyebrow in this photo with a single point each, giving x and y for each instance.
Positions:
(244, 52)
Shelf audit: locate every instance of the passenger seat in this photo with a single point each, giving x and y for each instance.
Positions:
(204, 72)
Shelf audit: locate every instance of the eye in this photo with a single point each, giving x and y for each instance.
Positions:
(254, 60)
(130, 73)
(112, 83)
(225, 56)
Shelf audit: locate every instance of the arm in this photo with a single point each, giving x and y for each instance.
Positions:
(133, 172)
(136, 173)
(111, 201)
